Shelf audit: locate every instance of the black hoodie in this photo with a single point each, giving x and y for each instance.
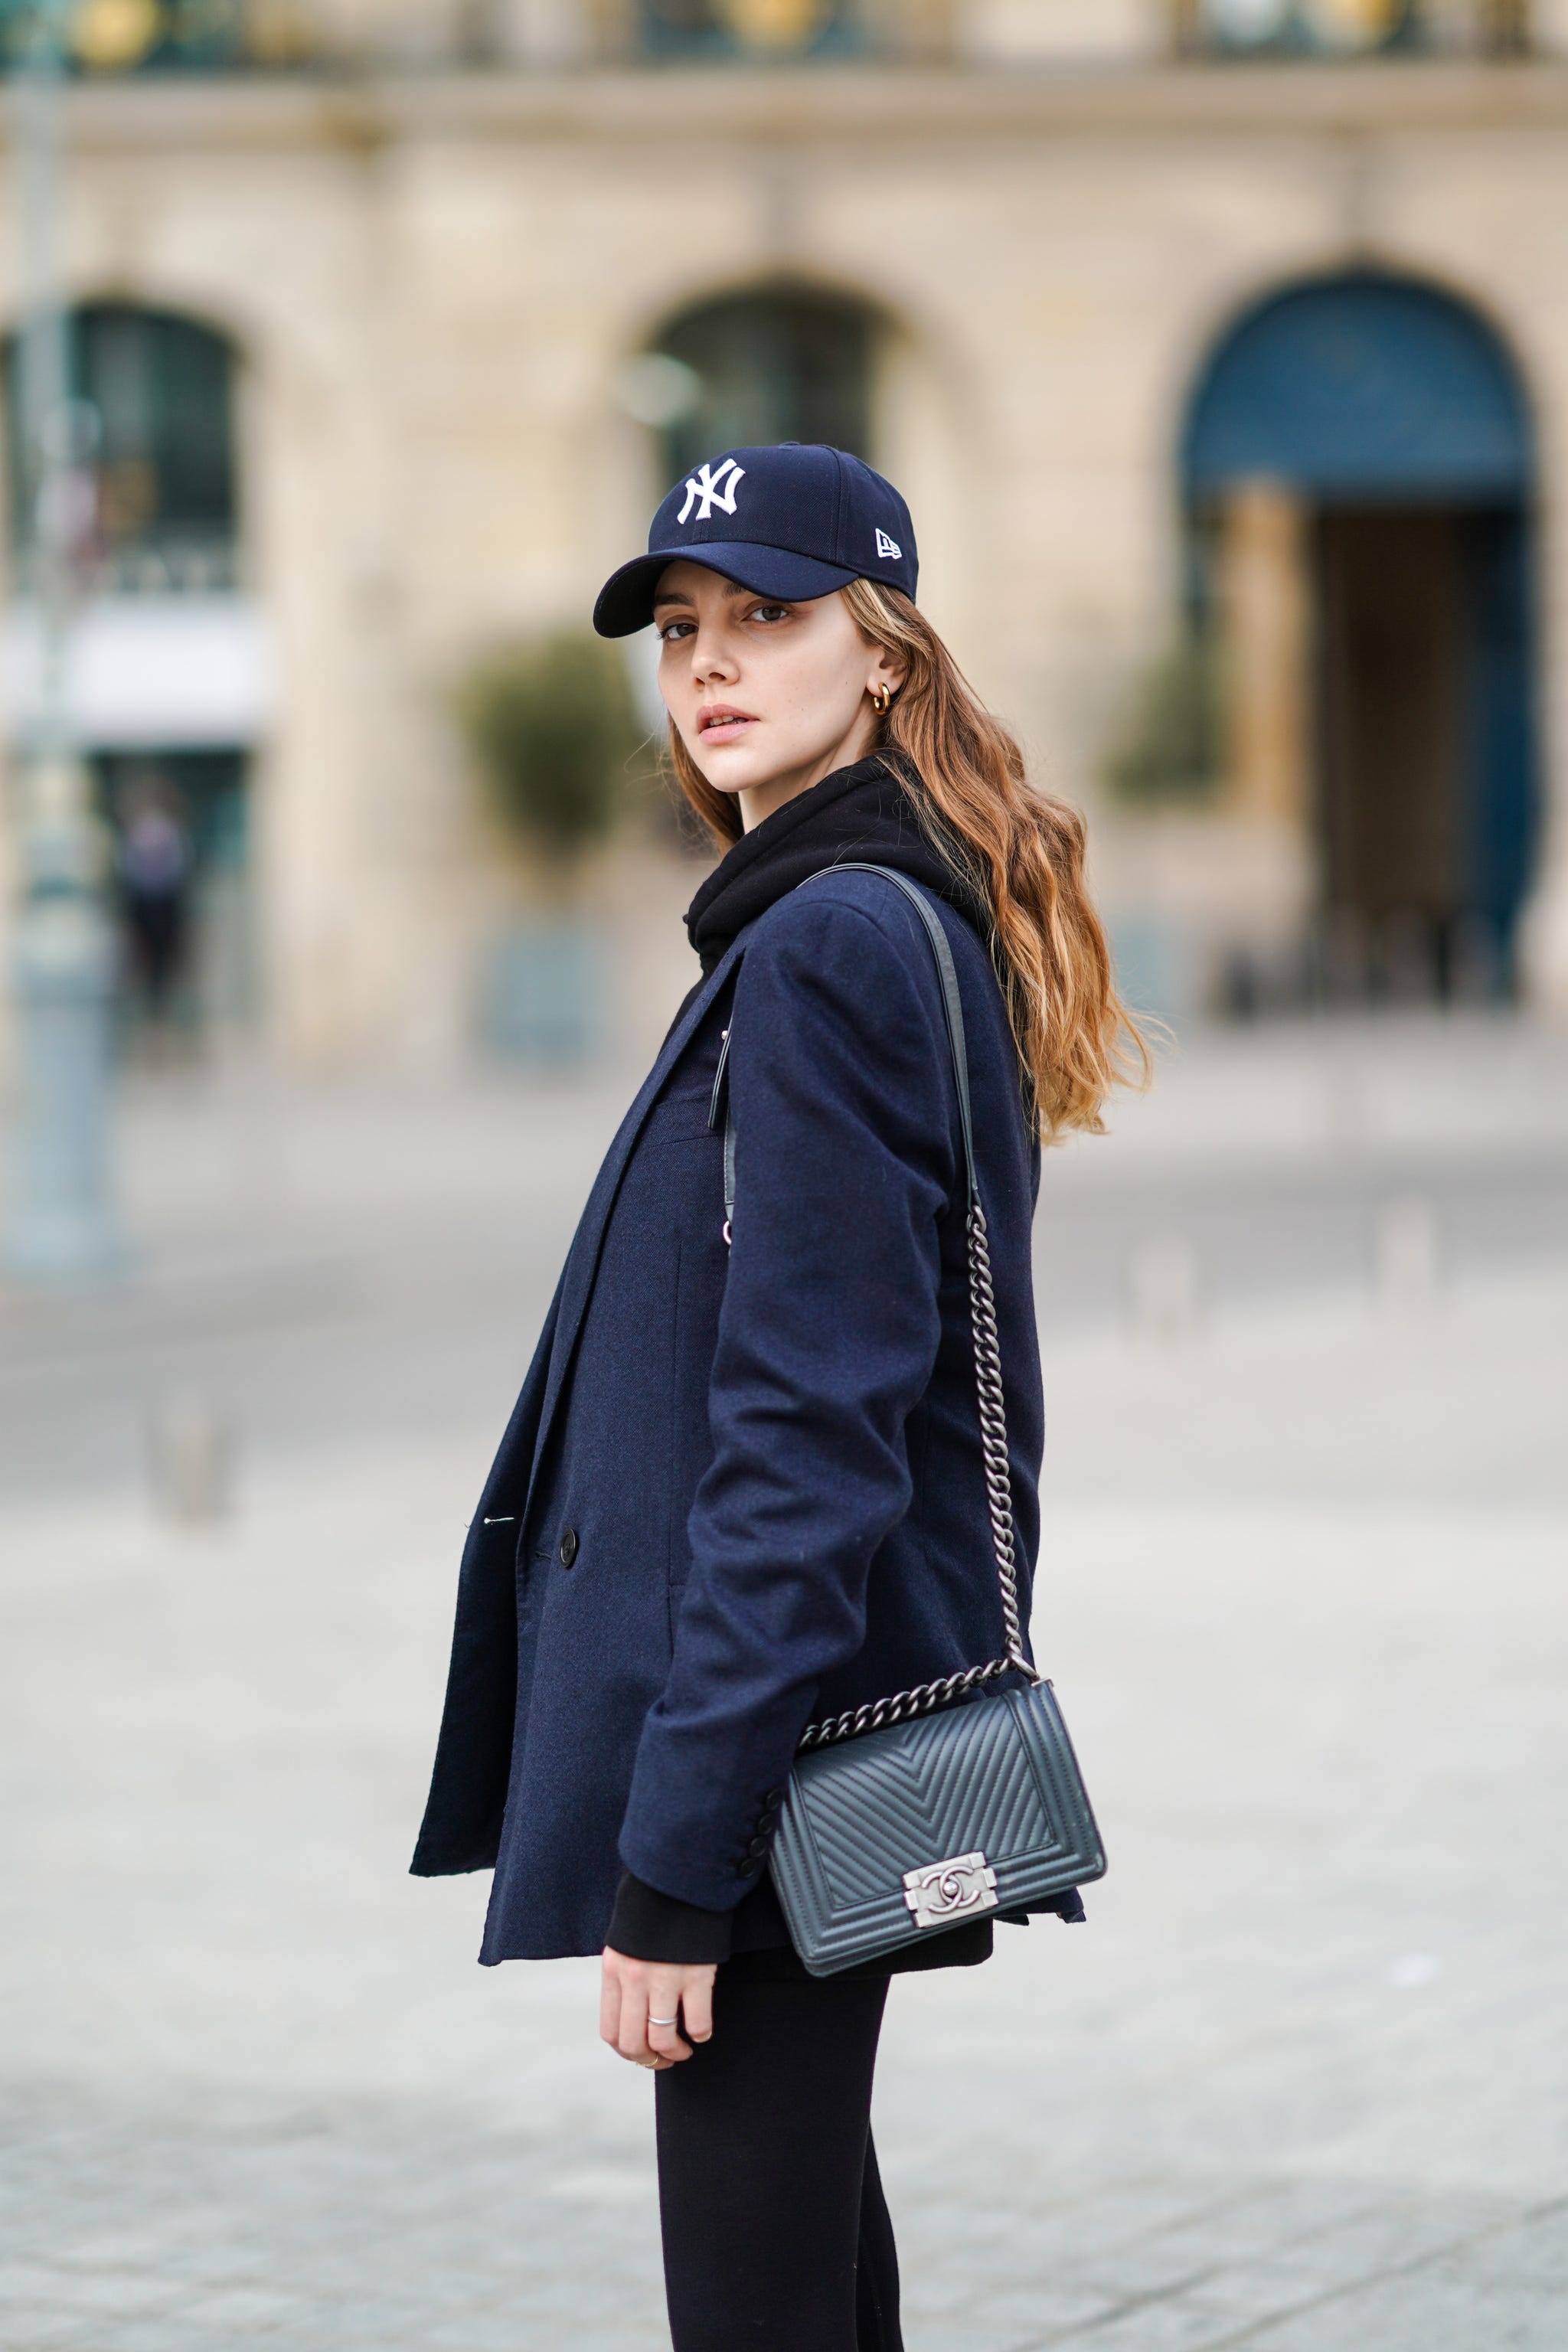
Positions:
(864, 811)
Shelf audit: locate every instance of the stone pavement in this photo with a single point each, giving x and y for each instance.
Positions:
(1301, 2084)
(332, 1262)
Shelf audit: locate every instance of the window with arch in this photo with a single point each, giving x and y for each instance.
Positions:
(751, 30)
(786, 363)
(151, 396)
(1352, 28)
(113, 36)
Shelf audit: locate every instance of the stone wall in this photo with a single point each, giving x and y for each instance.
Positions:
(434, 280)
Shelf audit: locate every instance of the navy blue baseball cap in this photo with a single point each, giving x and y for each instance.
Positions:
(794, 521)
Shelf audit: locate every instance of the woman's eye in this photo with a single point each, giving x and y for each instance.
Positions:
(771, 612)
(673, 631)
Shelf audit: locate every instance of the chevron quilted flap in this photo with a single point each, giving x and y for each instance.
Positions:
(932, 1793)
(992, 1787)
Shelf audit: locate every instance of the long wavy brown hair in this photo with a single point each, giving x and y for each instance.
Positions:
(1019, 849)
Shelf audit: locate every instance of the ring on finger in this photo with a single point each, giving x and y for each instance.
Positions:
(661, 2020)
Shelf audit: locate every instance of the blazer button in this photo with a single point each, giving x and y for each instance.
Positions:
(765, 1820)
(568, 1546)
(749, 1868)
(757, 1848)
(774, 1797)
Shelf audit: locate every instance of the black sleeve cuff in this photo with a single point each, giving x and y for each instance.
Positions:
(1068, 1909)
(649, 1926)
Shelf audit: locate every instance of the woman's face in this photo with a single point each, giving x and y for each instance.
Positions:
(769, 697)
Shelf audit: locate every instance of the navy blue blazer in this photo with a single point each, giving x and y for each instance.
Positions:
(742, 1487)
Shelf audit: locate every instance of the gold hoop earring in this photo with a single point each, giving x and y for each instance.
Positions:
(881, 699)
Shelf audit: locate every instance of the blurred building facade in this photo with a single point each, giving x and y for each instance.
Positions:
(1221, 347)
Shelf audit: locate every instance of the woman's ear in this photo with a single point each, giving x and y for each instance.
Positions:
(887, 672)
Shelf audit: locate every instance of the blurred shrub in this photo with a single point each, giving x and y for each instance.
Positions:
(1169, 750)
(549, 724)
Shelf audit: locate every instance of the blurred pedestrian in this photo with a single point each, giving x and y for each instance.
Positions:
(156, 863)
(743, 1484)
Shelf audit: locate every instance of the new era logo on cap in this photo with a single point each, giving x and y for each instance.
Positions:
(791, 519)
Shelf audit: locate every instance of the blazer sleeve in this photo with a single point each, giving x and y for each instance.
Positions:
(846, 1159)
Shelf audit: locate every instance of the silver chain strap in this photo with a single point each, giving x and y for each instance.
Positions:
(927, 1697)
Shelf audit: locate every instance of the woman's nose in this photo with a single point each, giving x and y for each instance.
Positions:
(712, 655)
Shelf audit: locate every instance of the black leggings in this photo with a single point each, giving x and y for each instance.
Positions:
(776, 2236)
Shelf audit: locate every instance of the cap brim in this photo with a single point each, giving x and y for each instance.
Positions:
(625, 600)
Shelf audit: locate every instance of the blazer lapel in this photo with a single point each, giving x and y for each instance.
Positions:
(583, 1259)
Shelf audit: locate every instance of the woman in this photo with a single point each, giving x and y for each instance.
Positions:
(743, 1483)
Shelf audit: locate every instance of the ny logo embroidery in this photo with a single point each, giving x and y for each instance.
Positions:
(713, 489)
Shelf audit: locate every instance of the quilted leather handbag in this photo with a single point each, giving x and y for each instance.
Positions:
(913, 1813)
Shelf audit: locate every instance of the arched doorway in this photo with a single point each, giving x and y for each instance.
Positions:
(1371, 434)
(778, 363)
(165, 666)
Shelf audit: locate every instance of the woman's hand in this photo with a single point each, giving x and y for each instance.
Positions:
(634, 1993)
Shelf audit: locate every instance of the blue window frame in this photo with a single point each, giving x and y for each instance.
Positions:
(1311, 27)
(122, 37)
(751, 31)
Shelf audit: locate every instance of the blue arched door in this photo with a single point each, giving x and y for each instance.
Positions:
(1395, 413)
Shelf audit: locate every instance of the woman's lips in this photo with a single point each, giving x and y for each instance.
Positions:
(723, 725)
